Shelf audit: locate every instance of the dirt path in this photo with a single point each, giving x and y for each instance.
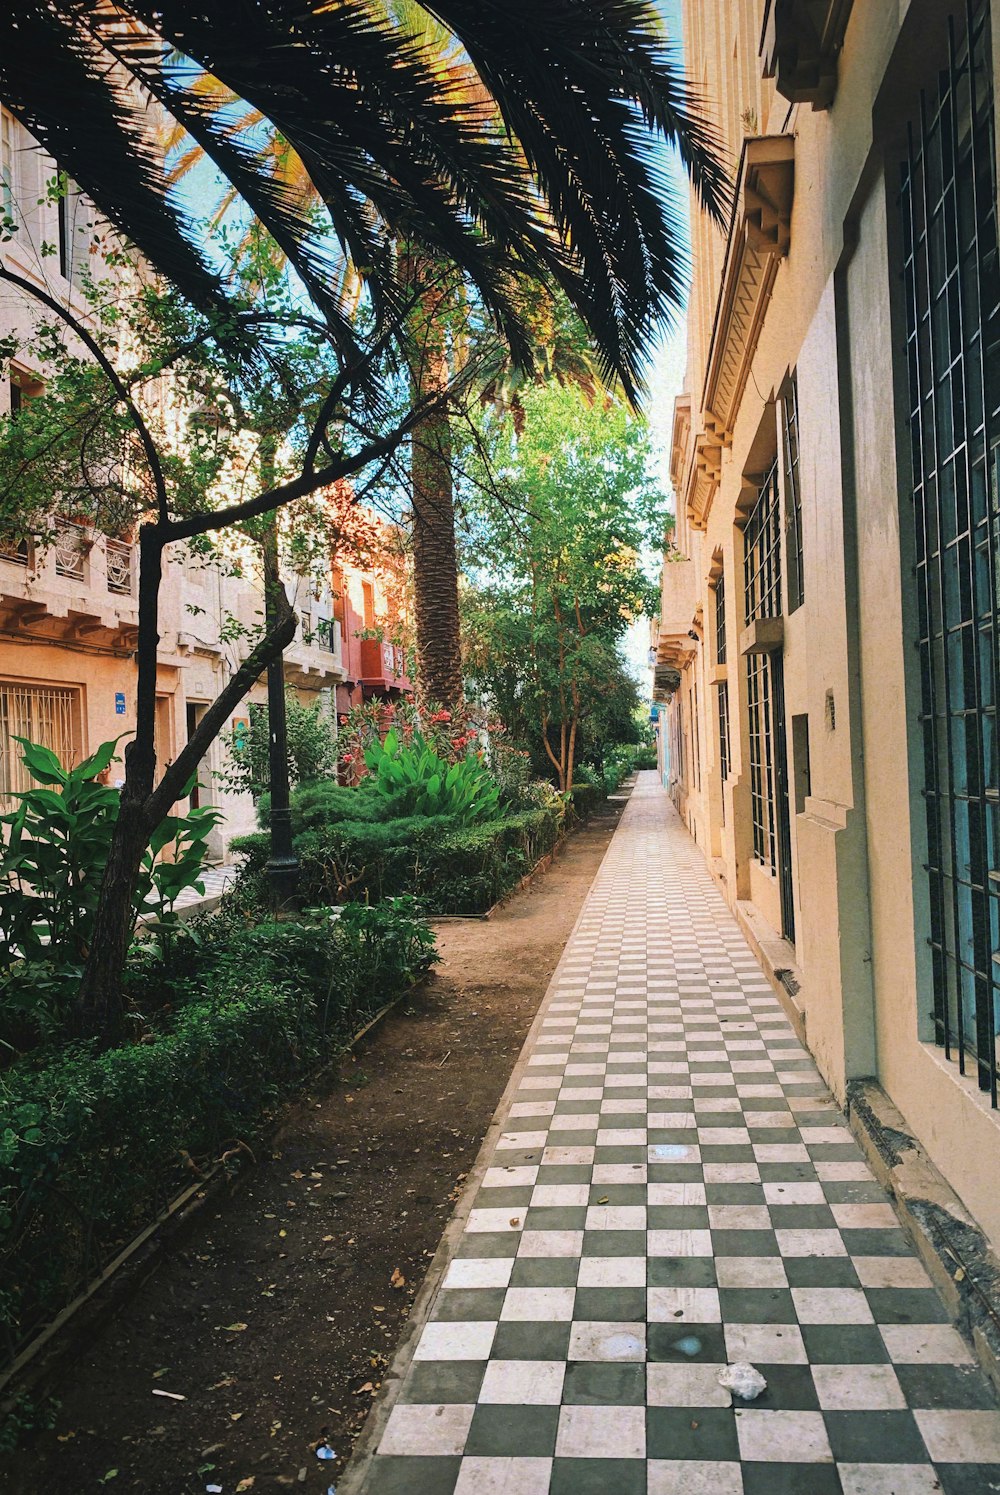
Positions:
(274, 1314)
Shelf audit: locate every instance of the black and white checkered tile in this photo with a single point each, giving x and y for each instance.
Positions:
(674, 1190)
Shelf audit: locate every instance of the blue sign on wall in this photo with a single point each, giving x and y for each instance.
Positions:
(119, 703)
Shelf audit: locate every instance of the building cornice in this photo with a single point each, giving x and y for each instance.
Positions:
(759, 237)
(799, 46)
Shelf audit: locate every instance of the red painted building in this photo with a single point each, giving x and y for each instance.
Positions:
(370, 604)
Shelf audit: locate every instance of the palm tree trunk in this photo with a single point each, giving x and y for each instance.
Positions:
(435, 558)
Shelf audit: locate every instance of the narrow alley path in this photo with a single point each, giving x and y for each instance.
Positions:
(673, 1189)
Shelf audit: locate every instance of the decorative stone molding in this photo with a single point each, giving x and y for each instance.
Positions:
(706, 472)
(759, 237)
(799, 46)
(763, 636)
(680, 436)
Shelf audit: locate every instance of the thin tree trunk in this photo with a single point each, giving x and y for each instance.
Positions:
(435, 557)
(572, 755)
(101, 1003)
(101, 999)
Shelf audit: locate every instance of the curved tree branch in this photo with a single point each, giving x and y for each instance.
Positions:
(110, 373)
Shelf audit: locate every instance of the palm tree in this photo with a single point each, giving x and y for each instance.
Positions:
(432, 496)
(571, 187)
(568, 188)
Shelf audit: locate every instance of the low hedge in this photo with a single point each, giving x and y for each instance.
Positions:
(586, 798)
(449, 869)
(94, 1144)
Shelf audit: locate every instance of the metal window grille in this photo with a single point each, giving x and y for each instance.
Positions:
(724, 749)
(71, 557)
(695, 738)
(952, 296)
(793, 497)
(722, 688)
(17, 552)
(119, 562)
(720, 619)
(8, 164)
(762, 552)
(761, 744)
(43, 714)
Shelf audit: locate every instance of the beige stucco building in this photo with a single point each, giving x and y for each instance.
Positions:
(828, 646)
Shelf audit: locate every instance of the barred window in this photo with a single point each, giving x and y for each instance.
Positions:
(43, 714)
(793, 497)
(762, 552)
(723, 690)
(720, 619)
(951, 282)
(761, 760)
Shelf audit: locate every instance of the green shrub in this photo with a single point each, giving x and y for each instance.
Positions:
(450, 868)
(311, 736)
(585, 799)
(51, 864)
(414, 777)
(645, 757)
(327, 802)
(93, 1143)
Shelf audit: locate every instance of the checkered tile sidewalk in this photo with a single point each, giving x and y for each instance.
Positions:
(216, 880)
(674, 1189)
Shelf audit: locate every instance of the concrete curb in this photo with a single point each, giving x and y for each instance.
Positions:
(352, 1481)
(955, 1252)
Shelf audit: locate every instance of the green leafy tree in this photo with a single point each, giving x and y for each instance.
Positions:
(312, 747)
(566, 520)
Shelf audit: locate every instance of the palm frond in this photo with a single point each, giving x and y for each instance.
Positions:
(59, 85)
(530, 147)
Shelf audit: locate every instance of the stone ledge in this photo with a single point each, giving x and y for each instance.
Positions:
(953, 1248)
(777, 960)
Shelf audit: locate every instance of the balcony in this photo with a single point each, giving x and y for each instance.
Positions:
(316, 661)
(327, 636)
(799, 46)
(676, 636)
(120, 567)
(78, 587)
(377, 662)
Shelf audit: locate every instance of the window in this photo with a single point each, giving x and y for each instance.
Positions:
(952, 310)
(368, 593)
(43, 714)
(762, 588)
(793, 496)
(720, 619)
(695, 738)
(761, 760)
(724, 730)
(723, 686)
(762, 551)
(8, 164)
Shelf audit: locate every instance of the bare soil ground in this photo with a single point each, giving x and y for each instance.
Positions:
(275, 1312)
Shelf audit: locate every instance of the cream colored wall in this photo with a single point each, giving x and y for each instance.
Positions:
(949, 1114)
(861, 919)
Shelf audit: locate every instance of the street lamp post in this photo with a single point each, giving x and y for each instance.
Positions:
(282, 864)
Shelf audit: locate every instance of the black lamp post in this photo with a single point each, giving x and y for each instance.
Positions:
(282, 864)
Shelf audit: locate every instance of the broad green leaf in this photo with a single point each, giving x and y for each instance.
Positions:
(41, 762)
